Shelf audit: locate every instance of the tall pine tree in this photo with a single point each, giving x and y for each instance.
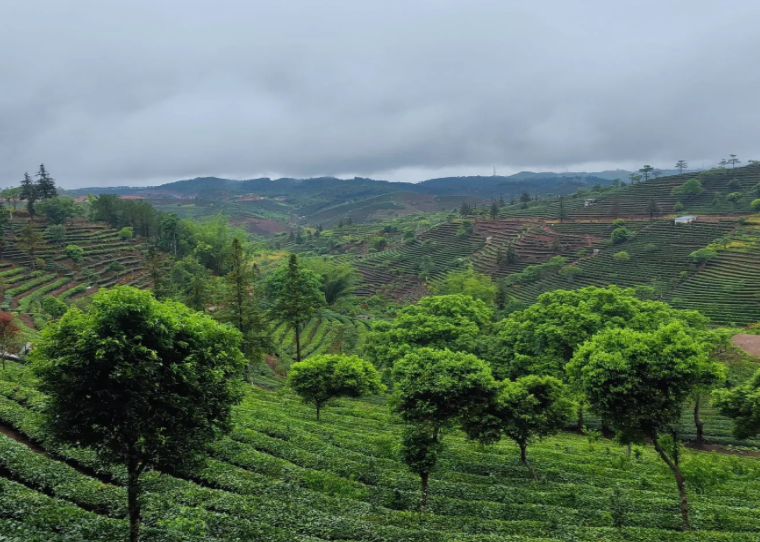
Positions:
(45, 184)
(28, 193)
(240, 306)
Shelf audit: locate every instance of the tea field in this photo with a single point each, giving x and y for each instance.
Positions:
(283, 476)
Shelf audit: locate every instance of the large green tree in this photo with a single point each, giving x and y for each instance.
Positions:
(320, 379)
(57, 210)
(530, 407)
(434, 390)
(28, 193)
(143, 383)
(454, 321)
(640, 382)
(45, 184)
(742, 404)
(295, 294)
(337, 278)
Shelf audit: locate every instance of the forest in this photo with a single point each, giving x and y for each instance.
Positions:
(578, 367)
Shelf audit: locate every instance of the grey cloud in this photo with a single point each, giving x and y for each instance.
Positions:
(114, 92)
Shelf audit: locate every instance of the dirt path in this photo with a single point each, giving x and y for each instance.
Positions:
(748, 343)
(8, 431)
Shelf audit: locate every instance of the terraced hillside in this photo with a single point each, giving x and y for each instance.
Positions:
(328, 333)
(283, 476)
(108, 260)
(723, 192)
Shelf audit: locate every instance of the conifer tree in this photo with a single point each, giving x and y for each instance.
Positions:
(28, 193)
(30, 241)
(45, 184)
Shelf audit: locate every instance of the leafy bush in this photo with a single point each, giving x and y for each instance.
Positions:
(690, 187)
(620, 235)
(703, 254)
(621, 256)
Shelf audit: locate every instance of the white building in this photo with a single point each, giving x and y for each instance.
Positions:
(688, 219)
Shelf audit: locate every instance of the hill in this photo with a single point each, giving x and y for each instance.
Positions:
(283, 476)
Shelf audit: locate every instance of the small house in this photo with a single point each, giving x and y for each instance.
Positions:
(588, 202)
(687, 219)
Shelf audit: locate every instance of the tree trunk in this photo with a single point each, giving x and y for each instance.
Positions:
(680, 482)
(424, 478)
(580, 420)
(319, 406)
(628, 451)
(298, 343)
(524, 459)
(133, 498)
(698, 422)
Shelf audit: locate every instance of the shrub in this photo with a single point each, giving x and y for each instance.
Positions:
(618, 223)
(116, 267)
(126, 233)
(620, 235)
(703, 254)
(690, 187)
(621, 256)
(733, 197)
(755, 205)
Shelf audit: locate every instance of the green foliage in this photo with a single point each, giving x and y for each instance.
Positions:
(116, 267)
(690, 187)
(742, 404)
(450, 321)
(530, 407)
(620, 235)
(618, 223)
(620, 507)
(338, 278)
(534, 272)
(734, 197)
(621, 256)
(678, 207)
(319, 379)
(56, 233)
(703, 254)
(58, 210)
(544, 337)
(127, 232)
(465, 228)
(74, 253)
(755, 205)
(141, 382)
(54, 306)
(467, 282)
(295, 294)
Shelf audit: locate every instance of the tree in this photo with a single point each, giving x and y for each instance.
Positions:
(494, 210)
(295, 294)
(656, 173)
(467, 282)
(28, 192)
(127, 232)
(453, 322)
(57, 210)
(640, 381)
(742, 404)
(524, 197)
(240, 304)
(703, 254)
(561, 208)
(54, 306)
(511, 254)
(652, 208)
(45, 184)
(646, 171)
(733, 160)
(56, 233)
(528, 408)
(681, 165)
(10, 335)
(337, 277)
(621, 256)
(634, 177)
(620, 235)
(320, 379)
(678, 207)
(433, 390)
(143, 383)
(755, 205)
(30, 240)
(12, 197)
(690, 187)
(189, 283)
(74, 252)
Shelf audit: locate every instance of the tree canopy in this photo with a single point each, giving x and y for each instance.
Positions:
(319, 379)
(447, 321)
(742, 404)
(143, 383)
(467, 282)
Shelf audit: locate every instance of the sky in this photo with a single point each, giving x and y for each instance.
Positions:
(138, 92)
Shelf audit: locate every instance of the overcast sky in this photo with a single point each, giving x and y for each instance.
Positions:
(112, 92)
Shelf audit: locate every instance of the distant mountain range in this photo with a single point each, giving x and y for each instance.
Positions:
(358, 187)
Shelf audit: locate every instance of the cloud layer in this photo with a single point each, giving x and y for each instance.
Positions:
(117, 92)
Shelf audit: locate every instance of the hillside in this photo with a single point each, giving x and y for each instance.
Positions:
(283, 476)
(108, 260)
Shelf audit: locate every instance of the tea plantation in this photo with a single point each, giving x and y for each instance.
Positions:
(283, 476)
